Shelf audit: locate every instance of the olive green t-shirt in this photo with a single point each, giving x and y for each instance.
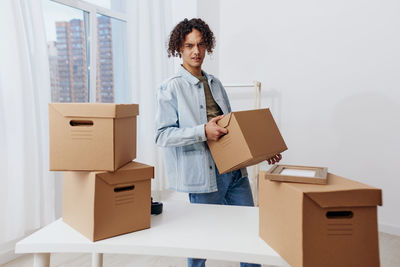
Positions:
(213, 110)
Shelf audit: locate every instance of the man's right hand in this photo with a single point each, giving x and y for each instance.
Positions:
(213, 130)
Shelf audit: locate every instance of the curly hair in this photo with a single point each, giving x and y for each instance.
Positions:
(183, 28)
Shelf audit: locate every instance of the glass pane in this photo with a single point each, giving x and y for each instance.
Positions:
(112, 78)
(116, 5)
(68, 61)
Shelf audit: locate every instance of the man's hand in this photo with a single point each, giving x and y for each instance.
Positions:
(274, 159)
(213, 130)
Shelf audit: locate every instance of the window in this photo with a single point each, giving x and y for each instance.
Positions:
(82, 34)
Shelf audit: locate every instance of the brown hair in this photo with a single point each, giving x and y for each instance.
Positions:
(183, 28)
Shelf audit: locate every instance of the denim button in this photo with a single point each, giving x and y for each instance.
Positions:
(201, 106)
(210, 167)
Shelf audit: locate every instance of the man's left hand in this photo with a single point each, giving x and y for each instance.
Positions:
(274, 159)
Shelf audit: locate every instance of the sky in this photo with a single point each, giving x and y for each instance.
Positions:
(58, 12)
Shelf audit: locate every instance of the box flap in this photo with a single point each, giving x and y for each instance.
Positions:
(126, 110)
(131, 172)
(347, 198)
(96, 110)
(261, 133)
(224, 122)
(340, 192)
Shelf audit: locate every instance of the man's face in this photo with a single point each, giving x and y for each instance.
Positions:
(193, 51)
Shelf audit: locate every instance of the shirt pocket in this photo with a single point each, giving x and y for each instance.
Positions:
(192, 165)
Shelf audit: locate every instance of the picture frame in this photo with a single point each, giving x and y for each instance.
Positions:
(298, 174)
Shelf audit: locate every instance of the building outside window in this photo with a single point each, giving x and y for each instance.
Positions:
(70, 48)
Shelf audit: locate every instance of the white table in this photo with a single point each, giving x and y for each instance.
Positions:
(182, 230)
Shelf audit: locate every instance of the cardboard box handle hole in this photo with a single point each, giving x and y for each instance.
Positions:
(80, 123)
(124, 188)
(339, 214)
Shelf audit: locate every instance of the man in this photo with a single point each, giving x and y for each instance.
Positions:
(189, 106)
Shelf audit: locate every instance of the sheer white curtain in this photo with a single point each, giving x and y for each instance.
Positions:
(150, 22)
(26, 185)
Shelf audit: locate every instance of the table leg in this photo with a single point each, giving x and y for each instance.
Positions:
(41, 260)
(97, 259)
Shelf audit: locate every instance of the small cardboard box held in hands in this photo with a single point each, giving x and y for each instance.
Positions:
(252, 137)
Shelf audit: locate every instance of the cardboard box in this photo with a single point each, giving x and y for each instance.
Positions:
(92, 136)
(321, 225)
(104, 204)
(252, 137)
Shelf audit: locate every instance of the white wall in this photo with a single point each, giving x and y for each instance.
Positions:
(208, 10)
(181, 9)
(330, 72)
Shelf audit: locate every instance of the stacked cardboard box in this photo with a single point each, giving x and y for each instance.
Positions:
(92, 137)
(320, 225)
(105, 193)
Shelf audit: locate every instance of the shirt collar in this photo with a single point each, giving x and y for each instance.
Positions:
(192, 79)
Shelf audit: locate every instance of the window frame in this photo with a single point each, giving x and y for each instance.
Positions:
(93, 10)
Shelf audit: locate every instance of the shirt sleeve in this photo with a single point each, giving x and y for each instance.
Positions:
(168, 133)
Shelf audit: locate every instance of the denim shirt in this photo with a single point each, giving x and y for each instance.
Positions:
(181, 116)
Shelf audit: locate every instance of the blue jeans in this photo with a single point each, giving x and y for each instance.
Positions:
(233, 189)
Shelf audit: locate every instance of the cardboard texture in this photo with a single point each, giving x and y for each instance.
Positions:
(321, 225)
(275, 174)
(252, 137)
(104, 204)
(92, 136)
